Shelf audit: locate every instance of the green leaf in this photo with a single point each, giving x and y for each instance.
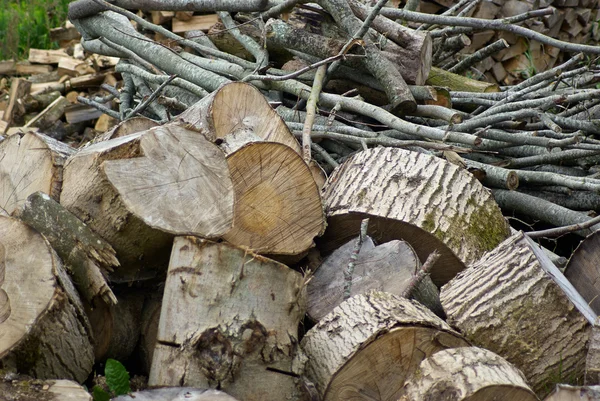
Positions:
(117, 377)
(99, 394)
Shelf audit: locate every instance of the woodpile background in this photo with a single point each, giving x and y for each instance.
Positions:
(268, 200)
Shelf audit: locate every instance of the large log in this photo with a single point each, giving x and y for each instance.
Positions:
(45, 333)
(29, 163)
(583, 270)
(516, 303)
(430, 203)
(468, 373)
(138, 191)
(229, 320)
(278, 208)
(237, 109)
(371, 345)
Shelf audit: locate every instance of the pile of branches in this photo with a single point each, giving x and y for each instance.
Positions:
(346, 76)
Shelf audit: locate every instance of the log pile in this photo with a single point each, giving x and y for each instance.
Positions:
(304, 201)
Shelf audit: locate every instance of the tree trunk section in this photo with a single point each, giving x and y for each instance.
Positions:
(45, 333)
(429, 202)
(389, 267)
(27, 389)
(583, 270)
(30, 163)
(468, 373)
(278, 208)
(371, 345)
(138, 191)
(512, 303)
(235, 109)
(228, 316)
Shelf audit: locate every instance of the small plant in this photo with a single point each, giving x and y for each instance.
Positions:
(117, 380)
(27, 24)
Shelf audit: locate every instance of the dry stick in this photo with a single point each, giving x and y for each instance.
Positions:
(99, 106)
(299, 72)
(558, 231)
(421, 274)
(260, 53)
(323, 153)
(479, 55)
(540, 209)
(456, 30)
(130, 55)
(449, 11)
(349, 272)
(489, 24)
(551, 158)
(159, 79)
(311, 107)
(142, 106)
(279, 9)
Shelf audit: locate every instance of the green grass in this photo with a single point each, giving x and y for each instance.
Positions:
(27, 24)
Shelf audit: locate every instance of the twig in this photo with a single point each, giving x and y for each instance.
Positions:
(325, 155)
(498, 25)
(479, 55)
(421, 274)
(349, 272)
(558, 231)
(142, 106)
(260, 54)
(99, 106)
(159, 79)
(311, 107)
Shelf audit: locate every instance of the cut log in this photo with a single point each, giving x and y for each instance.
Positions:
(389, 267)
(18, 89)
(468, 373)
(516, 303)
(278, 208)
(430, 203)
(87, 257)
(26, 389)
(127, 127)
(176, 394)
(138, 191)
(592, 361)
(45, 333)
(229, 320)
(564, 392)
(371, 345)
(30, 163)
(116, 327)
(235, 109)
(583, 270)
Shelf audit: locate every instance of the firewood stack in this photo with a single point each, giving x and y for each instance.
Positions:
(572, 21)
(240, 219)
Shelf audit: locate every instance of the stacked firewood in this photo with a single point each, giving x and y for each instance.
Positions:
(276, 164)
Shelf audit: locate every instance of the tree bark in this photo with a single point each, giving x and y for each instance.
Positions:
(371, 345)
(430, 203)
(228, 316)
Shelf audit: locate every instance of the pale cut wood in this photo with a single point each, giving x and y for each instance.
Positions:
(27, 389)
(583, 270)
(24, 68)
(592, 360)
(51, 114)
(139, 190)
(278, 208)
(42, 56)
(468, 373)
(30, 163)
(43, 324)
(389, 267)
(429, 202)
(105, 122)
(126, 127)
(87, 257)
(513, 302)
(234, 108)
(18, 89)
(371, 345)
(227, 316)
(177, 394)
